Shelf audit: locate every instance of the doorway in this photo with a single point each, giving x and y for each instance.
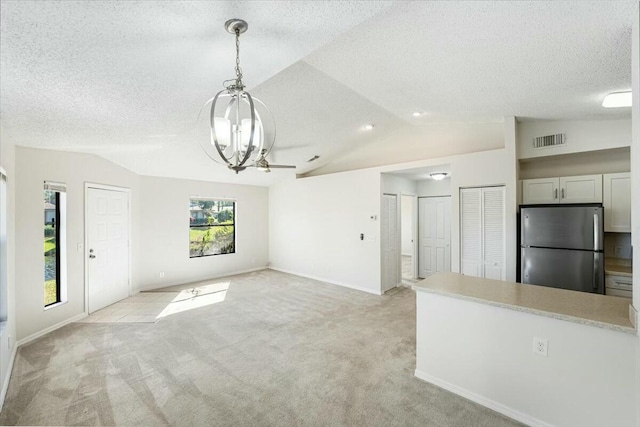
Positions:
(107, 236)
(435, 235)
(390, 242)
(407, 244)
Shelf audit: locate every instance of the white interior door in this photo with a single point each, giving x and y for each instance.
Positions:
(470, 232)
(390, 242)
(435, 235)
(107, 247)
(493, 233)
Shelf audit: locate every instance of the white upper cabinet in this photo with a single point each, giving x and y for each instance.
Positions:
(569, 189)
(617, 202)
(581, 189)
(540, 191)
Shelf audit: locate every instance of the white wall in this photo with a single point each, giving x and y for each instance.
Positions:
(485, 354)
(582, 135)
(33, 167)
(164, 231)
(635, 185)
(315, 225)
(307, 239)
(484, 169)
(8, 334)
(433, 188)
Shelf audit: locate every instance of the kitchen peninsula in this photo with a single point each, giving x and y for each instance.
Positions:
(543, 356)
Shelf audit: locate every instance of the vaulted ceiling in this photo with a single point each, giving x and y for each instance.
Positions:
(126, 80)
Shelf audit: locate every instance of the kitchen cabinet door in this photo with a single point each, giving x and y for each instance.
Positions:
(581, 189)
(617, 202)
(540, 191)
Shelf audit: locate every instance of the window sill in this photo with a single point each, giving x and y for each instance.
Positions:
(58, 304)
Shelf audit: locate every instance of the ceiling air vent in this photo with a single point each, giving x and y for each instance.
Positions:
(550, 140)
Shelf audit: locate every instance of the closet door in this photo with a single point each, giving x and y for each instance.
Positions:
(493, 230)
(471, 232)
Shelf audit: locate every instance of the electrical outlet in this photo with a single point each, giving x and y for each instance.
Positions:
(618, 251)
(540, 346)
(161, 274)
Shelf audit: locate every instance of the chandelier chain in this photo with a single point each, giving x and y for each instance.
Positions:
(238, 69)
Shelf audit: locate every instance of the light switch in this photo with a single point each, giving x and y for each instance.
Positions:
(80, 247)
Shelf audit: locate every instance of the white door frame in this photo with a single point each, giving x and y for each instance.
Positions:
(87, 186)
(398, 243)
(414, 233)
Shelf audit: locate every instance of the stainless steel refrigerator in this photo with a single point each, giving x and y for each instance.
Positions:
(562, 246)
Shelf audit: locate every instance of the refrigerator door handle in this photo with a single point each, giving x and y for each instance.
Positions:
(555, 194)
(596, 232)
(598, 287)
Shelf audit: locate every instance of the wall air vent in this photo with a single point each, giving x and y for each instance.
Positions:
(550, 140)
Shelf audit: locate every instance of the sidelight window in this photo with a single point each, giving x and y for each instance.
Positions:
(54, 242)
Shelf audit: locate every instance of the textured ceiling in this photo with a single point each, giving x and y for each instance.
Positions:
(125, 80)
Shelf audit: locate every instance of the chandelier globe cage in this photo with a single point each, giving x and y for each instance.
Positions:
(242, 128)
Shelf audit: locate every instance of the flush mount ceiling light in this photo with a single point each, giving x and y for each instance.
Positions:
(438, 176)
(368, 127)
(242, 128)
(617, 99)
(417, 113)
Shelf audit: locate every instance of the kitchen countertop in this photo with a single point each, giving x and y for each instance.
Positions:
(618, 267)
(579, 307)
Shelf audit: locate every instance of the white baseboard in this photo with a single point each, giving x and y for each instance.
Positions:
(333, 282)
(182, 282)
(45, 331)
(5, 385)
(484, 401)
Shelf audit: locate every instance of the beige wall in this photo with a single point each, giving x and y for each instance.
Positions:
(164, 231)
(8, 332)
(74, 169)
(582, 136)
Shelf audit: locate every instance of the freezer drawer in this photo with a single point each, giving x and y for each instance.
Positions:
(565, 269)
(563, 227)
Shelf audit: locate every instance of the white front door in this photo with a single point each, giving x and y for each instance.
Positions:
(390, 242)
(434, 227)
(107, 247)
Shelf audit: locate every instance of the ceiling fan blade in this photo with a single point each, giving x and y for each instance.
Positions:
(282, 166)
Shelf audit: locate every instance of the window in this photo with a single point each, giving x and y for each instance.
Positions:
(54, 242)
(212, 229)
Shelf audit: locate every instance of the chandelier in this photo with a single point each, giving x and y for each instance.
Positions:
(242, 127)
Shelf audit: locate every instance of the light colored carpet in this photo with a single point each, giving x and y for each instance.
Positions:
(278, 350)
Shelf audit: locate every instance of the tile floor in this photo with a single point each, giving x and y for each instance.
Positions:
(144, 307)
(148, 307)
(406, 267)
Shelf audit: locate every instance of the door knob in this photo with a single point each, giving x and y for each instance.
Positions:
(91, 255)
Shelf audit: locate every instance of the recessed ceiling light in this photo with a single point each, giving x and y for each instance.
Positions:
(617, 99)
(417, 113)
(368, 127)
